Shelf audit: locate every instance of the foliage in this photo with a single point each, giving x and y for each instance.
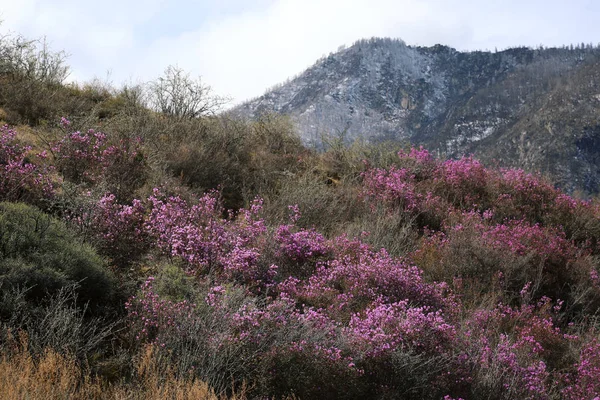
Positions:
(39, 252)
(32, 76)
(21, 179)
(239, 158)
(249, 264)
(91, 158)
(488, 290)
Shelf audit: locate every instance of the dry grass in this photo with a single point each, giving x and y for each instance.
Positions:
(55, 376)
(37, 138)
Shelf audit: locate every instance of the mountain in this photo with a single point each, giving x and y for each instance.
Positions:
(536, 109)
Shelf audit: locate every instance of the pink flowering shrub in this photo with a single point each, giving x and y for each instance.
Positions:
(386, 328)
(422, 164)
(522, 195)
(583, 383)
(79, 156)
(430, 188)
(413, 187)
(463, 182)
(300, 246)
(91, 157)
(298, 251)
(515, 370)
(231, 337)
(119, 229)
(478, 248)
(344, 286)
(357, 276)
(192, 232)
(21, 179)
(512, 352)
(228, 248)
(116, 230)
(395, 187)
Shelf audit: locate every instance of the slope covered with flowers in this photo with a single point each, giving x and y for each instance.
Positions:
(495, 297)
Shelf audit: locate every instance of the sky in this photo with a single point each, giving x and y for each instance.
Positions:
(242, 47)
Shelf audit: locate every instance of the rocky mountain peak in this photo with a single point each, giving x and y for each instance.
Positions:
(536, 109)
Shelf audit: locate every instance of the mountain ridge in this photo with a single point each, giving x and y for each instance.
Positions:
(536, 109)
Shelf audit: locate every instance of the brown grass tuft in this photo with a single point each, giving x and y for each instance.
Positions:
(56, 376)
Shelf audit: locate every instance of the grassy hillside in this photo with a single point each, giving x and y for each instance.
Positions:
(160, 255)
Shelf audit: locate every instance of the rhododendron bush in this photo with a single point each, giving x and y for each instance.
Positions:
(497, 298)
(20, 178)
(92, 158)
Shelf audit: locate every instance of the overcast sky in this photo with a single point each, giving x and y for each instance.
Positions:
(243, 47)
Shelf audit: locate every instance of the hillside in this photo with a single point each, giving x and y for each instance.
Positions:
(533, 109)
(169, 252)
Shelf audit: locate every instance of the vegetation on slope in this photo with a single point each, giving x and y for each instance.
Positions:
(159, 255)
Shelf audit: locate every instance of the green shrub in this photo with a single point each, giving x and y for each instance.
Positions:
(243, 159)
(175, 285)
(38, 251)
(323, 204)
(394, 231)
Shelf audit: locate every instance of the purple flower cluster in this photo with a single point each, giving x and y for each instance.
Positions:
(393, 186)
(385, 328)
(21, 179)
(88, 157)
(196, 233)
(152, 316)
(120, 229)
(584, 383)
(357, 276)
(300, 245)
(365, 304)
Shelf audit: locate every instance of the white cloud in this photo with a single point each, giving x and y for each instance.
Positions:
(244, 54)
(241, 47)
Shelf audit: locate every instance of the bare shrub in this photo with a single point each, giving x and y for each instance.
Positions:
(32, 76)
(178, 95)
(57, 323)
(32, 60)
